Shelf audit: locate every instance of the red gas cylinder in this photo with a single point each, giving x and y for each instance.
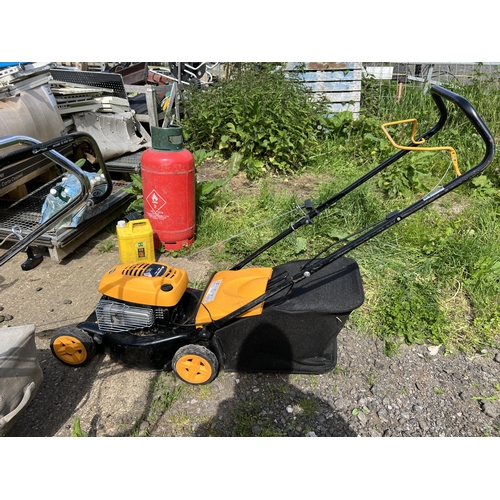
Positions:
(168, 188)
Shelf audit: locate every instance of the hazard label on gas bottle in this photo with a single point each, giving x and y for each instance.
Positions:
(155, 201)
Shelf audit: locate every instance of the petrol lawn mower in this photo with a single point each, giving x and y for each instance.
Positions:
(282, 319)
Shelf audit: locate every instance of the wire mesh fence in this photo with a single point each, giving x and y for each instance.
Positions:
(390, 84)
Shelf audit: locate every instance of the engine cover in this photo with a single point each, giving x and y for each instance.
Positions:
(152, 284)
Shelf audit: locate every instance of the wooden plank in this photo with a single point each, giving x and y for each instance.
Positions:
(47, 175)
(342, 96)
(16, 194)
(349, 106)
(327, 76)
(333, 86)
(339, 83)
(322, 66)
(379, 72)
(354, 108)
(13, 177)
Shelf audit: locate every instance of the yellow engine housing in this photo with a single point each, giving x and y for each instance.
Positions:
(147, 283)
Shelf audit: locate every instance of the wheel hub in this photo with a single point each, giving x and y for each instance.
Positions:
(70, 350)
(194, 369)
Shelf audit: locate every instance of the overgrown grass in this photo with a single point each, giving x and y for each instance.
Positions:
(435, 278)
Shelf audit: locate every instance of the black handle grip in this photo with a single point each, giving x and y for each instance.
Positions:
(438, 94)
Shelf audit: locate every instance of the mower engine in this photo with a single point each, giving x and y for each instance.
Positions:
(139, 296)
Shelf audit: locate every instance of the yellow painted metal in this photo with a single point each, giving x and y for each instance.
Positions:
(129, 282)
(230, 290)
(70, 350)
(418, 144)
(193, 369)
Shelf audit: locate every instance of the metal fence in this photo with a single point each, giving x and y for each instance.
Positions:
(393, 80)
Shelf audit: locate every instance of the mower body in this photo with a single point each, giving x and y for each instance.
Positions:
(293, 332)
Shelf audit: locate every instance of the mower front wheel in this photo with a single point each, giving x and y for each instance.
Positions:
(195, 364)
(73, 346)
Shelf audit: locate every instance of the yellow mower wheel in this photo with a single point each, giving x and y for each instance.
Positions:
(72, 346)
(195, 364)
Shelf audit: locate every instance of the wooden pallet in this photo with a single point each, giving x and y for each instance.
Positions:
(339, 82)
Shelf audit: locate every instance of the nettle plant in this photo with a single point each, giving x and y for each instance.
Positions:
(262, 112)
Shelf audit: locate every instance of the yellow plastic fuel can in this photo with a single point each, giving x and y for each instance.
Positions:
(135, 241)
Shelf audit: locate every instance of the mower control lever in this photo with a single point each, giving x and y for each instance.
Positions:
(417, 144)
(306, 219)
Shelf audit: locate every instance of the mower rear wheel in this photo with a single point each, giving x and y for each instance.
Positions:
(195, 364)
(73, 346)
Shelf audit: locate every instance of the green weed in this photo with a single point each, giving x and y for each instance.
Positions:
(246, 417)
(163, 395)
(371, 378)
(106, 246)
(263, 113)
(485, 398)
(180, 419)
(339, 370)
(77, 429)
(135, 189)
(309, 406)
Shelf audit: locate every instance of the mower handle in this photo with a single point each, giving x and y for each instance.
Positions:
(438, 94)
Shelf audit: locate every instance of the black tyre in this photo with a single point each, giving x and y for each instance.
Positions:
(195, 364)
(72, 346)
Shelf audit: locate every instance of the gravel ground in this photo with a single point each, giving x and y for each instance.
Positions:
(419, 392)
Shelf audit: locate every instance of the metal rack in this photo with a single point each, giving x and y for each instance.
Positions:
(26, 214)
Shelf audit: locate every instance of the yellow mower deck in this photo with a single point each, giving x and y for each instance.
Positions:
(230, 290)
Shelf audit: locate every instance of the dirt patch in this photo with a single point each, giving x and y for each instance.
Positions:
(301, 186)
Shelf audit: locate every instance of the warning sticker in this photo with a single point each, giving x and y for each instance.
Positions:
(212, 291)
(155, 201)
